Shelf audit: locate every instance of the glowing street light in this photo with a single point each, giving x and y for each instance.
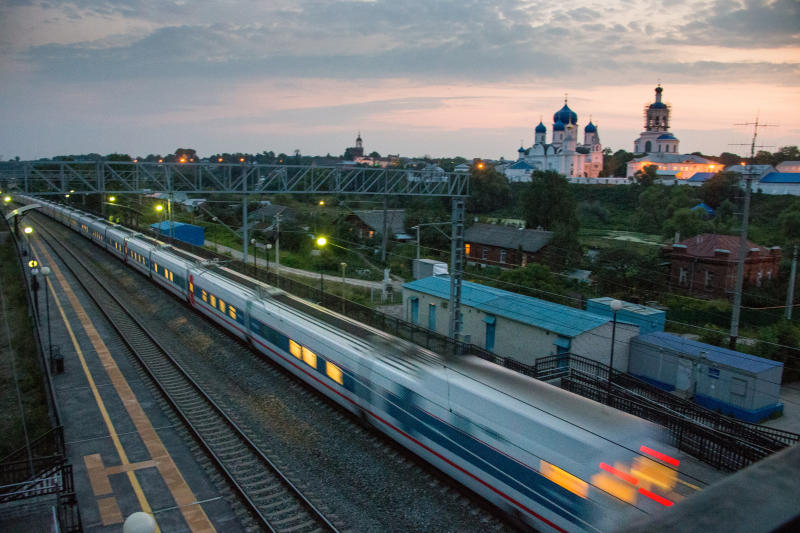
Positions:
(112, 199)
(219, 160)
(322, 241)
(6, 199)
(28, 230)
(322, 203)
(159, 207)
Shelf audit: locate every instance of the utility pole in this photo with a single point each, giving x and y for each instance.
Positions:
(278, 244)
(737, 296)
(790, 291)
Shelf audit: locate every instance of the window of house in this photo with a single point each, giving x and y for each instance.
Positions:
(709, 279)
(467, 248)
(485, 253)
(503, 256)
(682, 277)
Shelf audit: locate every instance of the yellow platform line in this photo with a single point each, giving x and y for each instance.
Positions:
(192, 511)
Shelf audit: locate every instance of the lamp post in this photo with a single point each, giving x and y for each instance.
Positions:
(45, 272)
(615, 305)
(269, 247)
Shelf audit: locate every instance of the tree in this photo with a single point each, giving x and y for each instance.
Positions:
(616, 164)
(722, 186)
(374, 155)
(786, 153)
(489, 190)
(727, 159)
(687, 223)
(623, 268)
(789, 222)
(548, 202)
(646, 176)
(186, 154)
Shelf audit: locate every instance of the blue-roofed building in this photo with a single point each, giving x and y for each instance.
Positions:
(564, 154)
(699, 178)
(183, 232)
(734, 383)
(517, 326)
(707, 210)
(779, 183)
(519, 170)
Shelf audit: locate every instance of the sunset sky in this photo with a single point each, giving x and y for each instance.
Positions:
(442, 78)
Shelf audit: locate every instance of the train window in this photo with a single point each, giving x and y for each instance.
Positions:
(213, 301)
(222, 305)
(309, 357)
(295, 349)
(204, 295)
(170, 276)
(334, 372)
(232, 311)
(166, 273)
(191, 287)
(155, 267)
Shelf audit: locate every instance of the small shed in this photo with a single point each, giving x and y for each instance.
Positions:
(648, 319)
(181, 231)
(424, 268)
(734, 383)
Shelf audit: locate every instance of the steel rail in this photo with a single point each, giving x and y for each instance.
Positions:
(313, 512)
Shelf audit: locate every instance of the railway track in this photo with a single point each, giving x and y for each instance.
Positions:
(274, 502)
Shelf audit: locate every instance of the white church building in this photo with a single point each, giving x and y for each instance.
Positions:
(656, 145)
(563, 154)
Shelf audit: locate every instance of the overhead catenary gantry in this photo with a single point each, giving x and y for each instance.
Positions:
(103, 177)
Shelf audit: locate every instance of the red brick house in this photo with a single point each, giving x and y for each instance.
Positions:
(504, 246)
(705, 265)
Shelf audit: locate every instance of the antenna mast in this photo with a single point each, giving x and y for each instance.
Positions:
(748, 177)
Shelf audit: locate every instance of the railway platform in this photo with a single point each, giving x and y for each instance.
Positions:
(126, 452)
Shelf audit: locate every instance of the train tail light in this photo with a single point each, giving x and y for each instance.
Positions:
(658, 455)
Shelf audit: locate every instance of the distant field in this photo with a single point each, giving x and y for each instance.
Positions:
(600, 238)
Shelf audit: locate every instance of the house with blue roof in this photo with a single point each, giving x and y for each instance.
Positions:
(779, 183)
(734, 383)
(517, 326)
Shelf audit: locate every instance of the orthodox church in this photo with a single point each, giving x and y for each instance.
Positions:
(656, 145)
(563, 154)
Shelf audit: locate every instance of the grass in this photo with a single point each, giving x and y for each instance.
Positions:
(29, 374)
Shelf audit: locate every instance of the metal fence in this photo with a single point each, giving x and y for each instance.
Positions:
(722, 442)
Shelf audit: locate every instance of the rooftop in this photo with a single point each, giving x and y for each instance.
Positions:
(509, 237)
(703, 245)
(722, 356)
(560, 319)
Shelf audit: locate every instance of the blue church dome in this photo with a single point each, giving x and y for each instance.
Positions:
(540, 128)
(658, 105)
(590, 128)
(521, 150)
(666, 136)
(565, 115)
(558, 126)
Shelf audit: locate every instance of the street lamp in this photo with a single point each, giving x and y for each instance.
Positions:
(269, 247)
(44, 271)
(255, 252)
(112, 199)
(615, 306)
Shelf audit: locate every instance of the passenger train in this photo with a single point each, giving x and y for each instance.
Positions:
(552, 459)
